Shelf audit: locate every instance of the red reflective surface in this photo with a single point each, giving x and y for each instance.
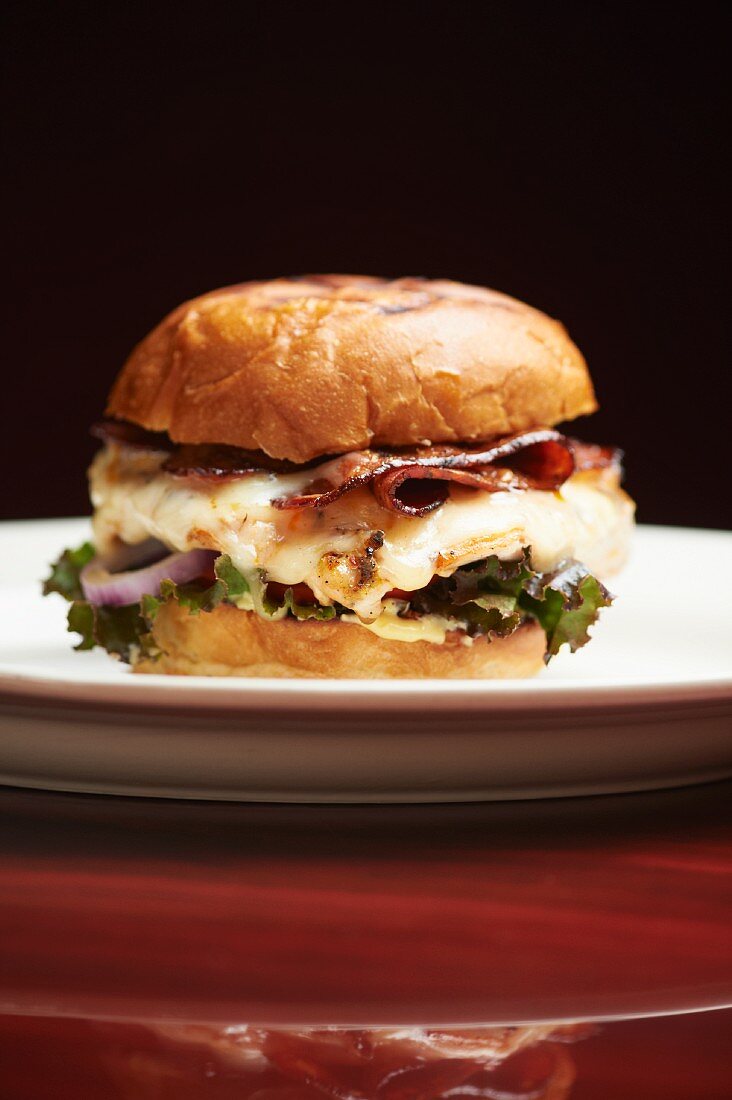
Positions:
(504, 912)
(670, 1058)
(118, 912)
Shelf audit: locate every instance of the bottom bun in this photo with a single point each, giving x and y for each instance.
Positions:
(229, 642)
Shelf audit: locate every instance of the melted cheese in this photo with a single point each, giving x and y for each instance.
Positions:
(588, 519)
(427, 628)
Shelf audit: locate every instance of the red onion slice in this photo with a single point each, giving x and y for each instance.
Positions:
(125, 557)
(118, 589)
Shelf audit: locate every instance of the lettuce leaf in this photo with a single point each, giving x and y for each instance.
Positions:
(66, 571)
(321, 612)
(122, 631)
(126, 631)
(192, 596)
(491, 576)
(565, 602)
(487, 598)
(492, 616)
(235, 583)
(254, 585)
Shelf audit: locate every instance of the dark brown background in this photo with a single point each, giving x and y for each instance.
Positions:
(574, 160)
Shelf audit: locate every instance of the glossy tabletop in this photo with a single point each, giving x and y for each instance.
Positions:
(478, 913)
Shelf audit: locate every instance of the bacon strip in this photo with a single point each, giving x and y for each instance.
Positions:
(417, 483)
(131, 435)
(214, 460)
(412, 482)
(205, 460)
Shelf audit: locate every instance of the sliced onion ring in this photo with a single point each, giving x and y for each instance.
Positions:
(126, 557)
(118, 589)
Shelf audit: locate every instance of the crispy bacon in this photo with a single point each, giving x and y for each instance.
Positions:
(213, 460)
(412, 482)
(131, 435)
(415, 483)
(204, 460)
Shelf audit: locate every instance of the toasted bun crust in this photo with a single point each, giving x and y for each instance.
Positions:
(333, 363)
(229, 642)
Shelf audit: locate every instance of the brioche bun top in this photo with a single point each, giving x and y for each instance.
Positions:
(332, 363)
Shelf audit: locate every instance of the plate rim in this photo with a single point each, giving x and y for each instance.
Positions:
(158, 693)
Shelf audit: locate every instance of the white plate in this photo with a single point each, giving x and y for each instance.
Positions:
(647, 704)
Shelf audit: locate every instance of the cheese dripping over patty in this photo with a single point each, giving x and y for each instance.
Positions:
(354, 552)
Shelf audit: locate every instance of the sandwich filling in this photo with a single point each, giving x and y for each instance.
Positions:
(410, 556)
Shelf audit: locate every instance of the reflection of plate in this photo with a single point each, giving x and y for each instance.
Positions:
(647, 704)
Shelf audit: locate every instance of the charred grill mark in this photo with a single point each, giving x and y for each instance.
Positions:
(382, 296)
(355, 570)
(365, 563)
(387, 308)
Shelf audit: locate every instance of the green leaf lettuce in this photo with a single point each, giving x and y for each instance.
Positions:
(488, 598)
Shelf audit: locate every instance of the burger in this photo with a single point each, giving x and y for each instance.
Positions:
(345, 476)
